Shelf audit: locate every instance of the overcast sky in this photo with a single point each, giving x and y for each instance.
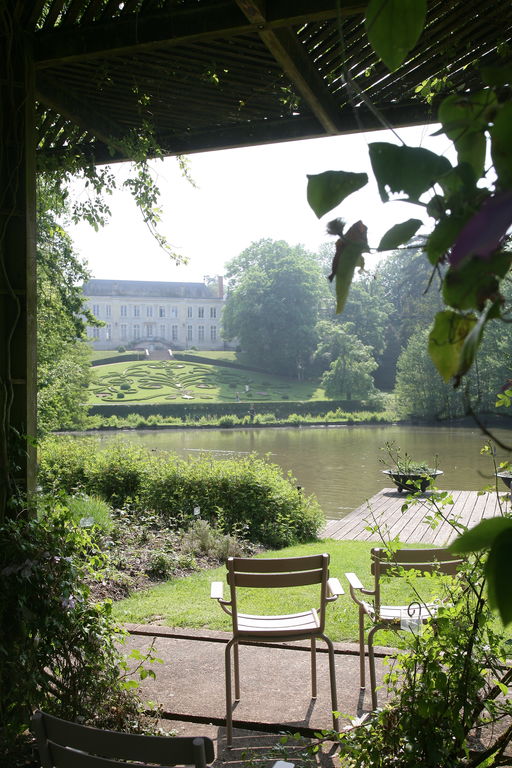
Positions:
(242, 195)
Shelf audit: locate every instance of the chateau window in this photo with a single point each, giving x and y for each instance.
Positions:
(95, 333)
(200, 311)
(174, 333)
(96, 310)
(161, 311)
(162, 331)
(124, 310)
(189, 311)
(200, 332)
(174, 311)
(136, 310)
(213, 312)
(149, 311)
(189, 331)
(213, 333)
(150, 329)
(136, 332)
(108, 332)
(123, 332)
(108, 310)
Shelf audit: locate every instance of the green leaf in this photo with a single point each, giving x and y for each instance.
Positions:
(351, 256)
(399, 234)
(394, 27)
(470, 285)
(464, 119)
(499, 575)
(446, 340)
(326, 190)
(480, 537)
(472, 342)
(501, 145)
(411, 170)
(443, 237)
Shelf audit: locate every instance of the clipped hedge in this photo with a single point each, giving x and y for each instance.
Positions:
(247, 496)
(281, 409)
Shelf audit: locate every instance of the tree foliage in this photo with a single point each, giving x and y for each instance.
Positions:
(273, 305)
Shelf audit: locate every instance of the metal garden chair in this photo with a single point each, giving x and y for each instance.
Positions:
(395, 616)
(273, 573)
(63, 744)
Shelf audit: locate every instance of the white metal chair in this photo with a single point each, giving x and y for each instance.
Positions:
(394, 616)
(309, 624)
(63, 744)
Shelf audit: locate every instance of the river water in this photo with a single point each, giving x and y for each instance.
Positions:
(340, 465)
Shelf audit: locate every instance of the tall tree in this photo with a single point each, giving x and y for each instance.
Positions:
(273, 305)
(63, 358)
(349, 362)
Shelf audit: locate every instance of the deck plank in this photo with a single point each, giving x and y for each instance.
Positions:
(385, 509)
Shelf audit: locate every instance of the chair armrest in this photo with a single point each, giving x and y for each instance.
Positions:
(217, 590)
(334, 587)
(353, 580)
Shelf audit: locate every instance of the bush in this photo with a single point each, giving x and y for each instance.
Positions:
(202, 539)
(87, 511)
(58, 651)
(247, 494)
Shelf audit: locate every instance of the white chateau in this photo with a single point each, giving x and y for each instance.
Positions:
(140, 314)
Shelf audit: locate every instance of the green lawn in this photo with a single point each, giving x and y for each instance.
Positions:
(182, 382)
(186, 602)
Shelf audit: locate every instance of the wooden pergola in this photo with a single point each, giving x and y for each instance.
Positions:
(83, 77)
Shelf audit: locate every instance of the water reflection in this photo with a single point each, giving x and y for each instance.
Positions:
(338, 464)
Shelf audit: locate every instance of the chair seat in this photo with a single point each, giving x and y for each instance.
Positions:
(289, 625)
(395, 613)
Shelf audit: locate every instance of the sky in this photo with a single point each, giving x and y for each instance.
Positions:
(241, 196)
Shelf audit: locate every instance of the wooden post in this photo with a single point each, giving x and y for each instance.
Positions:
(17, 264)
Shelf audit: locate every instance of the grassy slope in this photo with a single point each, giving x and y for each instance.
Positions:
(186, 603)
(221, 384)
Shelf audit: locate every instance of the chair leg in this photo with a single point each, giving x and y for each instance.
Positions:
(237, 672)
(313, 668)
(229, 701)
(362, 664)
(332, 676)
(371, 663)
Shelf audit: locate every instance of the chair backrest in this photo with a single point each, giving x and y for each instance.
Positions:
(63, 744)
(279, 572)
(431, 560)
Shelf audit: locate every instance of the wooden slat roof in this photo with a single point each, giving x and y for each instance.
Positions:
(212, 74)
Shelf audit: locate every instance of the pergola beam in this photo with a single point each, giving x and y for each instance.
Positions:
(134, 33)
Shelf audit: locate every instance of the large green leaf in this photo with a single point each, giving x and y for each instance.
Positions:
(472, 341)
(326, 190)
(412, 170)
(464, 119)
(399, 234)
(501, 144)
(499, 575)
(480, 537)
(394, 27)
(446, 341)
(348, 257)
(470, 285)
(443, 237)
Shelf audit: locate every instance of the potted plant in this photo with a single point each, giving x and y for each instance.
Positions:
(505, 473)
(406, 473)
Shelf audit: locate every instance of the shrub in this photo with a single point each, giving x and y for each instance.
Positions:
(87, 511)
(248, 492)
(202, 538)
(58, 651)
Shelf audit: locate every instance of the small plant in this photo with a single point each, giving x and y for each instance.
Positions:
(403, 464)
(161, 565)
(202, 538)
(90, 510)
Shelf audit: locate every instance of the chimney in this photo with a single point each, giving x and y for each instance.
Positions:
(220, 285)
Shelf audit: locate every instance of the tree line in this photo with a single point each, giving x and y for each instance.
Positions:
(281, 309)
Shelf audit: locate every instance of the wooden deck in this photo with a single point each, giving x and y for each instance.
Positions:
(385, 510)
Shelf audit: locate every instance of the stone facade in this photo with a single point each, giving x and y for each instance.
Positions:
(140, 314)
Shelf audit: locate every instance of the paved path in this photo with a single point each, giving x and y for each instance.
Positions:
(385, 510)
(275, 686)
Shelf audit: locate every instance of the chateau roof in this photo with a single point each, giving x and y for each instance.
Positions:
(150, 289)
